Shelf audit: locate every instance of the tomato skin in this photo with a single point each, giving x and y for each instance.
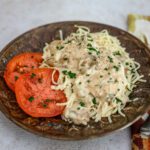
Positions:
(19, 65)
(38, 99)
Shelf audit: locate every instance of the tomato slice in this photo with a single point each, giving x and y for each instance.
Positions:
(35, 95)
(19, 65)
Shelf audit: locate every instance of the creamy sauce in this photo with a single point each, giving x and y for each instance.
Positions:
(96, 74)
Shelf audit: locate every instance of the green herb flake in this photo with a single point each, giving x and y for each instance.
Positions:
(94, 101)
(65, 58)
(118, 100)
(80, 83)
(78, 108)
(116, 53)
(127, 63)
(133, 71)
(47, 100)
(101, 76)
(110, 59)
(87, 75)
(44, 105)
(59, 47)
(31, 98)
(116, 68)
(32, 75)
(71, 74)
(65, 72)
(82, 104)
(105, 68)
(88, 81)
(64, 79)
(116, 81)
(91, 48)
(16, 78)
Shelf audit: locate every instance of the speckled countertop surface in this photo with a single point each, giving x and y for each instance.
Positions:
(18, 16)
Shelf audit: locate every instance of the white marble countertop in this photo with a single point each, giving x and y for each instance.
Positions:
(18, 16)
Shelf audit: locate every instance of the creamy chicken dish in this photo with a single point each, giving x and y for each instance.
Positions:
(96, 74)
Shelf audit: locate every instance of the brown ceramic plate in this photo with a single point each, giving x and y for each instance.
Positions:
(34, 40)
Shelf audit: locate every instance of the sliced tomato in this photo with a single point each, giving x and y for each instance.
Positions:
(35, 95)
(19, 65)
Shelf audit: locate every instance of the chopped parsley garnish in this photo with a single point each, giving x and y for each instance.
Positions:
(72, 90)
(64, 79)
(31, 98)
(110, 59)
(65, 58)
(118, 89)
(80, 82)
(65, 72)
(16, 78)
(116, 81)
(88, 81)
(94, 101)
(82, 104)
(128, 88)
(118, 100)
(44, 105)
(91, 48)
(132, 70)
(78, 108)
(116, 68)
(116, 53)
(32, 75)
(59, 47)
(100, 76)
(48, 100)
(127, 63)
(105, 68)
(69, 73)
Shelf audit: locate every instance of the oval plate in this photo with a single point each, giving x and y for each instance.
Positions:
(34, 40)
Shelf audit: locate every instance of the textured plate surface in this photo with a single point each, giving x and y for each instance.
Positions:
(34, 40)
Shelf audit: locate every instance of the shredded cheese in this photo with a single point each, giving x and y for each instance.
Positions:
(96, 74)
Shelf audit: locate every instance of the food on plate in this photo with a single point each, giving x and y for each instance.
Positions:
(35, 95)
(19, 65)
(97, 75)
(86, 76)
